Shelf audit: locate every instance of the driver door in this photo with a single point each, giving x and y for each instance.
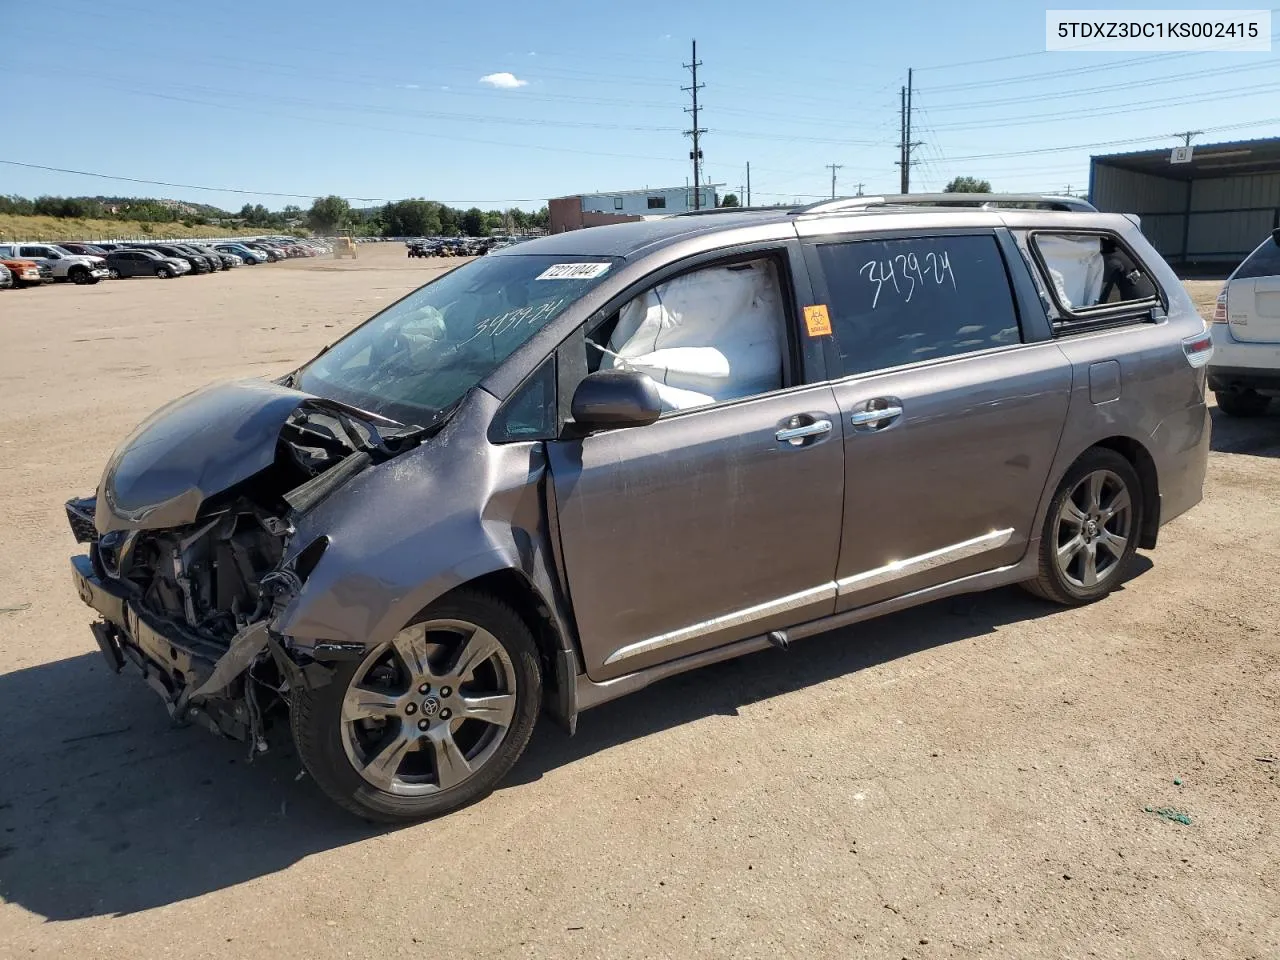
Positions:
(713, 524)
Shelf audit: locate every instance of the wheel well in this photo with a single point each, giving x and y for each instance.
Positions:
(513, 588)
(1142, 462)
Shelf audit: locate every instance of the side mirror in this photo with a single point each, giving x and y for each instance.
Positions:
(615, 398)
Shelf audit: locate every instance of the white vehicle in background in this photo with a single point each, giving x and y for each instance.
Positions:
(1244, 373)
(64, 264)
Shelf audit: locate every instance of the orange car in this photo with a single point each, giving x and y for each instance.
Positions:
(27, 273)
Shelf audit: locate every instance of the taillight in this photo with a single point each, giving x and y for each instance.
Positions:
(1198, 349)
(1220, 311)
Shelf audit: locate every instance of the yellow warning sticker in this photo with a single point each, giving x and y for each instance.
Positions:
(817, 321)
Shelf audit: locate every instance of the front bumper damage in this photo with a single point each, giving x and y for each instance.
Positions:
(196, 680)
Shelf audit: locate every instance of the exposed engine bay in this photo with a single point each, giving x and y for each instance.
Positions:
(191, 604)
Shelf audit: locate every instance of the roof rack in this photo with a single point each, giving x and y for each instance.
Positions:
(706, 211)
(980, 201)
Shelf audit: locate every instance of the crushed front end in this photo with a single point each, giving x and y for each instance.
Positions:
(190, 555)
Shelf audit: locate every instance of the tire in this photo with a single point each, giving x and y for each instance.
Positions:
(164, 273)
(80, 276)
(1242, 403)
(1107, 530)
(113, 273)
(406, 713)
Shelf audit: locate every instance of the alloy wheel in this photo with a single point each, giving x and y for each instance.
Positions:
(1093, 529)
(429, 709)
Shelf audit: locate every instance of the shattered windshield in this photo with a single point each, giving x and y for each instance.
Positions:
(420, 355)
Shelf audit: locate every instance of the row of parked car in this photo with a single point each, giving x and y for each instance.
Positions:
(456, 246)
(32, 264)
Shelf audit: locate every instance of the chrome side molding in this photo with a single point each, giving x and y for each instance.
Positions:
(826, 591)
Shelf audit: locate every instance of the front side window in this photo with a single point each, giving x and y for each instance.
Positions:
(422, 354)
(1263, 262)
(708, 336)
(894, 302)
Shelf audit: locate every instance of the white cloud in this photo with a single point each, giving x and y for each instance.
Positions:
(408, 86)
(503, 81)
(533, 53)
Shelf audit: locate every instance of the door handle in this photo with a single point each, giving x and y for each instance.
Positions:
(872, 418)
(797, 435)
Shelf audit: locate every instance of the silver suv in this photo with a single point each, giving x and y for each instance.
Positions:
(573, 467)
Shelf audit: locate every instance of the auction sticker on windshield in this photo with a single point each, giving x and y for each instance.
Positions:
(574, 271)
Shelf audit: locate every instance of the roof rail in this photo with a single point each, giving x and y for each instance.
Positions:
(980, 201)
(705, 211)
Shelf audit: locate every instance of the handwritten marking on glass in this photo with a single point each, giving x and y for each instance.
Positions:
(912, 270)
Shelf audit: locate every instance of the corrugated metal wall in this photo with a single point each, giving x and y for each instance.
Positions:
(1229, 215)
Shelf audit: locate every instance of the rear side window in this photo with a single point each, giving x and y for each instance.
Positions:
(894, 302)
(1263, 262)
(1090, 274)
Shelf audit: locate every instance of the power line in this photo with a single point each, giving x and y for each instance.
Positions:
(237, 190)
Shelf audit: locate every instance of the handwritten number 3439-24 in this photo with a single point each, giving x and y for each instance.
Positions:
(907, 270)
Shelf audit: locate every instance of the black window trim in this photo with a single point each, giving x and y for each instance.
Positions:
(1026, 336)
(1099, 316)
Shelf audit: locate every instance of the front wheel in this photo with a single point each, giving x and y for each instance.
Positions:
(431, 720)
(81, 276)
(1242, 403)
(164, 273)
(113, 273)
(1091, 531)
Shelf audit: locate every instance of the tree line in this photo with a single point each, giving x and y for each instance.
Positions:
(419, 218)
(327, 215)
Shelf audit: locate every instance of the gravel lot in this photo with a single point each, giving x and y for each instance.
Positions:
(970, 779)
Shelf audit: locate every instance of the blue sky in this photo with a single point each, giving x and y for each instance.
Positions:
(384, 100)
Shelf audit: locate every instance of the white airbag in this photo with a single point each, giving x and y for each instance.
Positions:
(712, 335)
(1075, 267)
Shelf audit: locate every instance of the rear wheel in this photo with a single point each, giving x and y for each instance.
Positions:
(428, 722)
(1242, 403)
(1091, 531)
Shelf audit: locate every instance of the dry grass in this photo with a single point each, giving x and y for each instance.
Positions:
(15, 227)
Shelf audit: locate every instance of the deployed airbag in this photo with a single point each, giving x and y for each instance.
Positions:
(1075, 267)
(706, 336)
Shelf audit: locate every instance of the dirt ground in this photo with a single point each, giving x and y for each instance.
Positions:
(977, 778)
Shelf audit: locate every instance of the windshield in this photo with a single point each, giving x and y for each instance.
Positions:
(422, 354)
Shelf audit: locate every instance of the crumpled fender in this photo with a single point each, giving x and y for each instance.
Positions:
(405, 532)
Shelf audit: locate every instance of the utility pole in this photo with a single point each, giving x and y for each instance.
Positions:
(748, 183)
(1186, 136)
(696, 153)
(833, 168)
(860, 186)
(906, 144)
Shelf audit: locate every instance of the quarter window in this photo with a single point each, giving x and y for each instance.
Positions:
(1263, 262)
(1088, 271)
(894, 302)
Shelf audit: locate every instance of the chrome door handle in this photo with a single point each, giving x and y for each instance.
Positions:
(867, 418)
(793, 434)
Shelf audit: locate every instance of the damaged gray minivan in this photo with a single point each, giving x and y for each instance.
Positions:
(586, 462)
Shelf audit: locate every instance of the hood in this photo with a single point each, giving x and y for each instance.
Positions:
(190, 450)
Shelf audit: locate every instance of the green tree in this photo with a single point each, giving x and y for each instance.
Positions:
(730, 200)
(473, 224)
(967, 185)
(328, 214)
